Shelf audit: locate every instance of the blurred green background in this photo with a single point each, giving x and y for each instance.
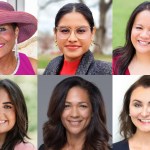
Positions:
(28, 85)
(122, 10)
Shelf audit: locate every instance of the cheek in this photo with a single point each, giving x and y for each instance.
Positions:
(134, 112)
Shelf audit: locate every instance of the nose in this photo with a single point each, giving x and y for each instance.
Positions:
(72, 37)
(74, 112)
(145, 111)
(145, 34)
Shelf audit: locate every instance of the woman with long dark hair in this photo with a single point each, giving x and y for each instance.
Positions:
(76, 117)
(74, 33)
(135, 117)
(13, 118)
(134, 56)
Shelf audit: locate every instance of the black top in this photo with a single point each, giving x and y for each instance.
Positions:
(41, 147)
(122, 145)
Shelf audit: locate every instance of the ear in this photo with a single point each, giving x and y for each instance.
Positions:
(55, 36)
(93, 32)
(16, 32)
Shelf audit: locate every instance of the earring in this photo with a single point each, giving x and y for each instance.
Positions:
(16, 48)
(56, 43)
(92, 43)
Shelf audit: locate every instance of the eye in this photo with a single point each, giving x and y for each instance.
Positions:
(67, 105)
(83, 106)
(2, 29)
(64, 30)
(137, 105)
(139, 28)
(81, 30)
(7, 106)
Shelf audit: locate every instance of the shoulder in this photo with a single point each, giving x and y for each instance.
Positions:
(34, 64)
(54, 65)
(41, 147)
(25, 146)
(121, 145)
(102, 67)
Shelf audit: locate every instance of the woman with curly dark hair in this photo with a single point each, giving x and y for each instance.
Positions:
(135, 117)
(134, 56)
(76, 117)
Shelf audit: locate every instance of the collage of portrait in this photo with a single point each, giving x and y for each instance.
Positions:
(74, 75)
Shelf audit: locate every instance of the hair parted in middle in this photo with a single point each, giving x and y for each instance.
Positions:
(54, 133)
(127, 128)
(75, 7)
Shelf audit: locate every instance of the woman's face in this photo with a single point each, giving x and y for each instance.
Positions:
(140, 34)
(74, 36)
(140, 108)
(7, 113)
(77, 112)
(7, 39)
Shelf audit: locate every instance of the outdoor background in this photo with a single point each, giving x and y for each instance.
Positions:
(122, 10)
(28, 85)
(102, 13)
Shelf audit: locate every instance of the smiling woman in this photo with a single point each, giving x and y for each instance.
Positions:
(135, 117)
(134, 56)
(15, 27)
(76, 117)
(13, 118)
(74, 33)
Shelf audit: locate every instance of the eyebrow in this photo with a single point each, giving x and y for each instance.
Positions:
(8, 103)
(136, 100)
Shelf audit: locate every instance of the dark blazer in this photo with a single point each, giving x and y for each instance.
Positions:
(122, 145)
(87, 66)
(41, 147)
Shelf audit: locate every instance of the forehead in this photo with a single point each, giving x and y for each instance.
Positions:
(141, 93)
(73, 19)
(143, 16)
(78, 94)
(4, 95)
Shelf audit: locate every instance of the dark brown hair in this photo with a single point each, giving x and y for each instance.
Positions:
(19, 132)
(54, 133)
(127, 128)
(126, 53)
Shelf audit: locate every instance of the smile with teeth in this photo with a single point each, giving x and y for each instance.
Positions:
(145, 120)
(75, 123)
(2, 121)
(1, 45)
(143, 43)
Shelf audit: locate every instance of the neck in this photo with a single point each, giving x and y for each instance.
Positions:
(142, 58)
(140, 140)
(8, 64)
(2, 139)
(75, 142)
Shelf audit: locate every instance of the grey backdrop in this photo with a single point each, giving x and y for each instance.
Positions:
(46, 85)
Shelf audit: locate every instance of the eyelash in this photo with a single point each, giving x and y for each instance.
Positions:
(2, 29)
(137, 105)
(139, 28)
(7, 106)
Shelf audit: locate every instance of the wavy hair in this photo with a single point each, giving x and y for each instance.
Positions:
(19, 132)
(54, 133)
(126, 53)
(127, 128)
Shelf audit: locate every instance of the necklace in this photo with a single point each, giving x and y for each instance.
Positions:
(16, 69)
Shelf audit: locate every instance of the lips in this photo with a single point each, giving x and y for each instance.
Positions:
(144, 120)
(1, 45)
(74, 123)
(2, 122)
(72, 47)
(144, 43)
